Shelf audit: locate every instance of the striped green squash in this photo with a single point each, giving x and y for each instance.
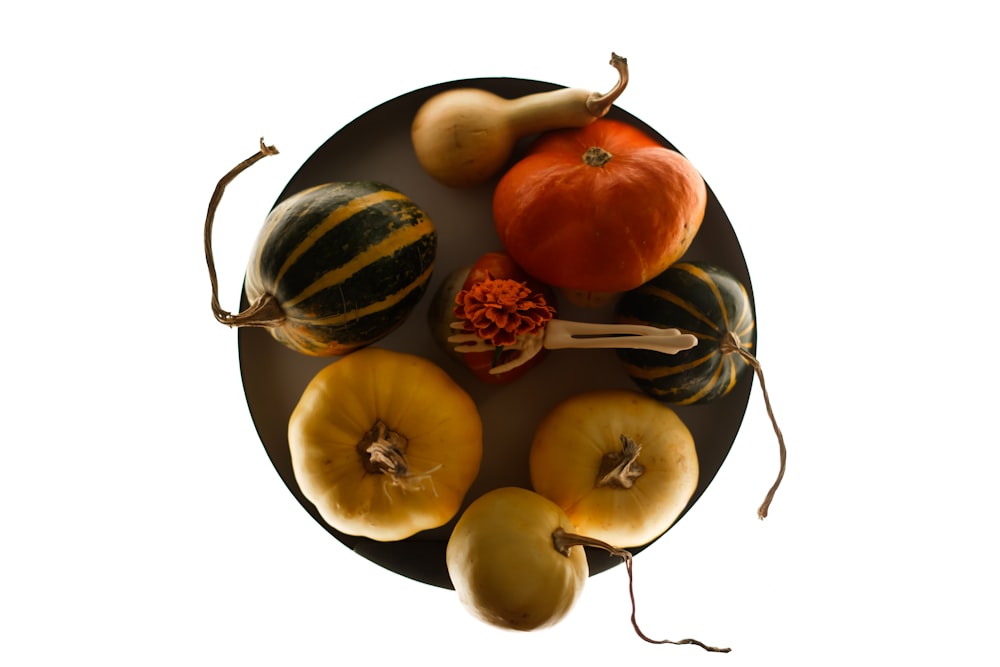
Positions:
(341, 265)
(701, 299)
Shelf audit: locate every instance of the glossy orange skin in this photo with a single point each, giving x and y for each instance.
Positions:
(500, 265)
(606, 228)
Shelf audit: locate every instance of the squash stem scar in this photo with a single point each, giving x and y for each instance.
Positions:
(621, 469)
(383, 452)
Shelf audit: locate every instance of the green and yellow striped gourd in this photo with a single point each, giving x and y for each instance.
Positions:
(343, 265)
(701, 299)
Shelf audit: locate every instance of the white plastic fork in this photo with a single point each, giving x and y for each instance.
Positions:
(562, 334)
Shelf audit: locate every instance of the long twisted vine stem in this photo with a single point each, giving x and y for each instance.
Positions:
(562, 541)
(265, 311)
(732, 343)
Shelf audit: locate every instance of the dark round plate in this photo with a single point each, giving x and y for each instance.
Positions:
(376, 146)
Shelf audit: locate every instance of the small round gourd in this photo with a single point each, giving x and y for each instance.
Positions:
(701, 299)
(516, 562)
(504, 565)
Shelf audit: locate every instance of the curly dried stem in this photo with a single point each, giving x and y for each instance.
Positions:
(563, 542)
(732, 343)
(599, 104)
(621, 468)
(265, 311)
(383, 452)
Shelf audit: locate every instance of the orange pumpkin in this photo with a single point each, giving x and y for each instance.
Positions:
(598, 209)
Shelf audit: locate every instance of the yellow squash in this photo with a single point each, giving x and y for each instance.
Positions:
(385, 444)
(620, 464)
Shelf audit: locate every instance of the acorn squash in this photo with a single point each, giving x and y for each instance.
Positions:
(707, 301)
(701, 299)
(335, 267)
(346, 263)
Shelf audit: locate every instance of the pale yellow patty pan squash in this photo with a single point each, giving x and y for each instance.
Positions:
(385, 444)
(622, 465)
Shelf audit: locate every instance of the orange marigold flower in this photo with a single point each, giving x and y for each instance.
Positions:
(499, 310)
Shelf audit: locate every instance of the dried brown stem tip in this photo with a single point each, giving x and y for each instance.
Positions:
(563, 541)
(264, 312)
(732, 343)
(598, 104)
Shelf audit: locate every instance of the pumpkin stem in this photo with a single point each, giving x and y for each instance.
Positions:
(599, 104)
(621, 469)
(382, 451)
(265, 312)
(595, 156)
(732, 343)
(563, 542)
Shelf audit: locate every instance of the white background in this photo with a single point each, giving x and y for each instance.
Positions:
(854, 149)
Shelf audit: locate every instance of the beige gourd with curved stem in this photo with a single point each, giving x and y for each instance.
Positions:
(517, 562)
(464, 136)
